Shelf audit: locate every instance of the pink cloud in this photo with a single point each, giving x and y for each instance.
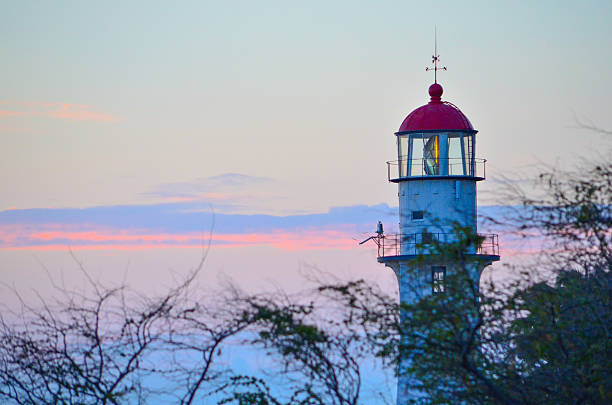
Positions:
(95, 237)
(26, 238)
(74, 112)
(7, 113)
(60, 111)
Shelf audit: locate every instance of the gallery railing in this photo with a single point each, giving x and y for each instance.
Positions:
(431, 243)
(408, 168)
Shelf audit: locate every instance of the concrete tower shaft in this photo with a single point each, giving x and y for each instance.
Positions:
(437, 172)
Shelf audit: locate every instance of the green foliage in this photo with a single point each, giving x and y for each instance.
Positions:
(545, 341)
(320, 362)
(531, 341)
(565, 338)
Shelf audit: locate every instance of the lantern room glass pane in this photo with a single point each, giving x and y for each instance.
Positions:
(436, 154)
(431, 156)
(416, 158)
(402, 152)
(456, 164)
(468, 153)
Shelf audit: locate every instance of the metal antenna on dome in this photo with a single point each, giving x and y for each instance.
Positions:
(435, 58)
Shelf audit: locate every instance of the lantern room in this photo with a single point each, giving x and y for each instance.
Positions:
(436, 139)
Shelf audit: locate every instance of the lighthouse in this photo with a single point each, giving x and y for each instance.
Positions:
(436, 172)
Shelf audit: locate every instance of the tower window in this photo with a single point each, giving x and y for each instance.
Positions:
(418, 215)
(438, 274)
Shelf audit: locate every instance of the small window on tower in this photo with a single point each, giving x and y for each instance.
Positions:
(438, 274)
(418, 215)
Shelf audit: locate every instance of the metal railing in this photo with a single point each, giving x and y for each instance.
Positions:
(407, 168)
(430, 243)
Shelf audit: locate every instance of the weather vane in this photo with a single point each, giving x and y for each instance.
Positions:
(435, 58)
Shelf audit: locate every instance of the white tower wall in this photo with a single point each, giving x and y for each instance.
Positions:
(436, 177)
(414, 284)
(442, 200)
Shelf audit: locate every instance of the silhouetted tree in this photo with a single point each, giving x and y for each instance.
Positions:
(113, 345)
(533, 340)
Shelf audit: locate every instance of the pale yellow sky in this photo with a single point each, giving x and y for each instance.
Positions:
(104, 102)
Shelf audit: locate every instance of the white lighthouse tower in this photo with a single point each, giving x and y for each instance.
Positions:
(436, 173)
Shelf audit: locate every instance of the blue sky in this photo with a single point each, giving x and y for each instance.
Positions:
(114, 115)
(306, 94)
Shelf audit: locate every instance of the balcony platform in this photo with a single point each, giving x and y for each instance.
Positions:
(407, 247)
(407, 258)
(412, 178)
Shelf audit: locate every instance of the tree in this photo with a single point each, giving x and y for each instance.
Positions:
(111, 345)
(563, 343)
(544, 340)
(318, 353)
(81, 349)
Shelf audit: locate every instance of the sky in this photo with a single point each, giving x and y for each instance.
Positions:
(134, 132)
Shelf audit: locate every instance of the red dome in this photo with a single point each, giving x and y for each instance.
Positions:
(437, 115)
